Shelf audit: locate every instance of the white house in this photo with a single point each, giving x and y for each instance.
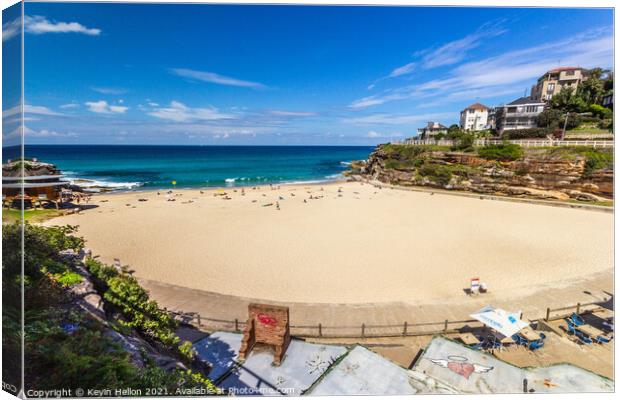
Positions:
(475, 117)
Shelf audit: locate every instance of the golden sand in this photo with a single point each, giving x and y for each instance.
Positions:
(360, 245)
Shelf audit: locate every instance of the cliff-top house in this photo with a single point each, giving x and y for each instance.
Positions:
(475, 117)
(554, 80)
(431, 130)
(521, 113)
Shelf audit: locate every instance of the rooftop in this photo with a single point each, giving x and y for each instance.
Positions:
(523, 101)
(477, 106)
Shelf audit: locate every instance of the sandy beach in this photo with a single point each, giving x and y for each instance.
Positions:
(345, 242)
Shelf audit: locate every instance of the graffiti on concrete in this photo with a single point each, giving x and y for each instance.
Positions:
(460, 365)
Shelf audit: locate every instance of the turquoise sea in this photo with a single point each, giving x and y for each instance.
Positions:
(153, 167)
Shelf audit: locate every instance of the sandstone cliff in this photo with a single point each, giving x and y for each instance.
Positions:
(583, 174)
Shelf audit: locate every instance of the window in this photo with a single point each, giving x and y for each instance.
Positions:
(570, 73)
(551, 87)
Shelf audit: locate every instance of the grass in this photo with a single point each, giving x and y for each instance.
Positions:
(603, 203)
(12, 215)
(588, 130)
(501, 152)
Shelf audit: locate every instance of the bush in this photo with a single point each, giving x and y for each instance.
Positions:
(464, 142)
(606, 124)
(550, 118)
(65, 348)
(501, 152)
(68, 278)
(532, 133)
(437, 173)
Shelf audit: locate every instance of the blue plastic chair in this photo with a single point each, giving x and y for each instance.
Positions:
(602, 339)
(583, 338)
(577, 320)
(520, 340)
(570, 328)
(536, 344)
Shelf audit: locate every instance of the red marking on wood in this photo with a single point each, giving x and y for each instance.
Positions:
(267, 319)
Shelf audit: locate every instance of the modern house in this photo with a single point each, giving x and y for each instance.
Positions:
(475, 117)
(431, 130)
(519, 114)
(555, 80)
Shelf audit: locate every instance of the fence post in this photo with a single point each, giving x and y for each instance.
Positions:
(236, 325)
(445, 326)
(578, 307)
(198, 317)
(363, 330)
(405, 329)
(548, 312)
(320, 330)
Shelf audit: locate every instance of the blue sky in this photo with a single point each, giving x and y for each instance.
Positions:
(282, 75)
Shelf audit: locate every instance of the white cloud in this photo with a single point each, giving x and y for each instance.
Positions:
(11, 29)
(215, 78)
(102, 107)
(29, 109)
(404, 70)
(69, 106)
(504, 74)
(37, 24)
(44, 133)
(375, 134)
(109, 90)
(179, 112)
(40, 110)
(284, 113)
(397, 119)
(450, 53)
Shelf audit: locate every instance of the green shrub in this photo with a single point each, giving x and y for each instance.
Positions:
(600, 111)
(501, 152)
(68, 278)
(437, 173)
(532, 133)
(464, 142)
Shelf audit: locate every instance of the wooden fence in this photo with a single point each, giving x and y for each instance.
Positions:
(564, 312)
(523, 143)
(376, 331)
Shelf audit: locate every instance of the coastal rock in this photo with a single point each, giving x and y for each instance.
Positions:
(540, 174)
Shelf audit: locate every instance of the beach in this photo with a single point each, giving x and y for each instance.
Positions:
(344, 242)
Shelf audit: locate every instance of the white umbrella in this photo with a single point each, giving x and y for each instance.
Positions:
(502, 321)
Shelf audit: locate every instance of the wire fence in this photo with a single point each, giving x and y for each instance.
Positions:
(363, 330)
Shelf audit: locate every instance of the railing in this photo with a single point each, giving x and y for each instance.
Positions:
(364, 331)
(522, 142)
(579, 308)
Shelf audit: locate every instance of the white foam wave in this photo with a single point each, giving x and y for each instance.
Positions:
(90, 183)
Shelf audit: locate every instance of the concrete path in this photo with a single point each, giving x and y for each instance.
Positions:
(218, 311)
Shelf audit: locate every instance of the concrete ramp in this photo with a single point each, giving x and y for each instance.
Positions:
(302, 365)
(363, 372)
(469, 371)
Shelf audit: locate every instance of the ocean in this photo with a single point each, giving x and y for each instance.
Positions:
(155, 167)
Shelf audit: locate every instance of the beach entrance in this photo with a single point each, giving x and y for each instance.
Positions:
(269, 325)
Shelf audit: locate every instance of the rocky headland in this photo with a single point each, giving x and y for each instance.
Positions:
(555, 173)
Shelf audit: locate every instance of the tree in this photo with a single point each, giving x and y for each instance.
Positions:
(590, 91)
(454, 132)
(568, 101)
(550, 118)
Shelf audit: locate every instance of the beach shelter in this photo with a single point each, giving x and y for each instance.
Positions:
(502, 321)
